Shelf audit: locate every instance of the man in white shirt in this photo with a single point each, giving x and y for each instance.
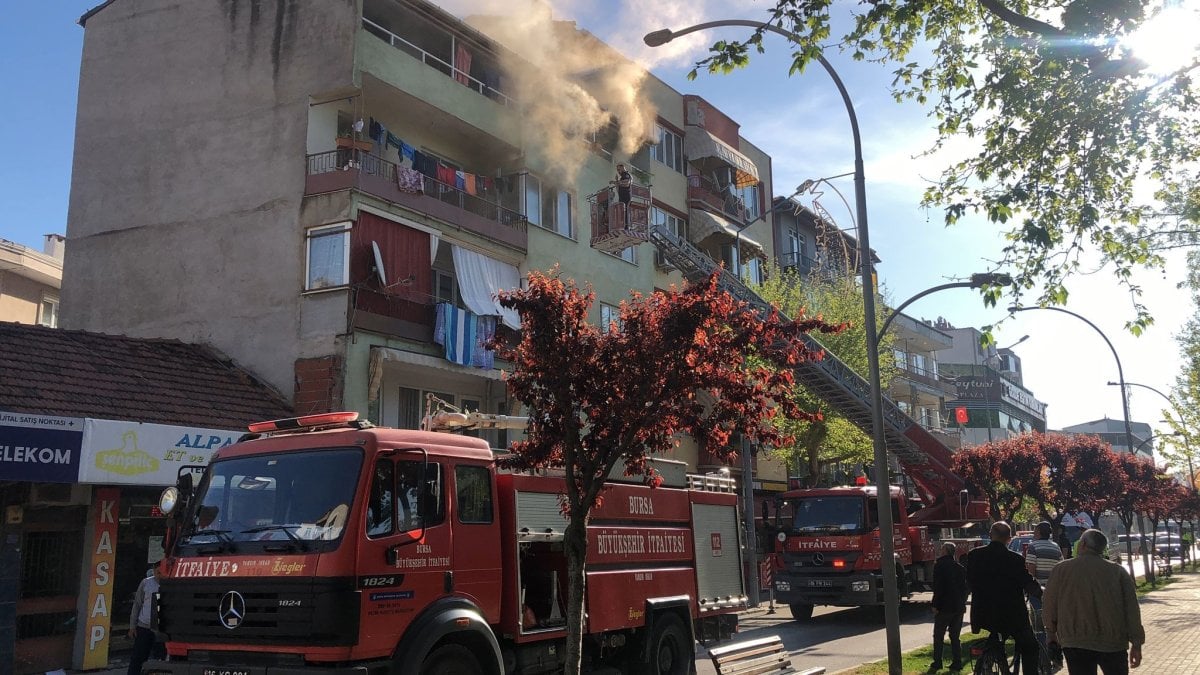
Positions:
(139, 621)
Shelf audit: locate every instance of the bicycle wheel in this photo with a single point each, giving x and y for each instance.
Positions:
(991, 662)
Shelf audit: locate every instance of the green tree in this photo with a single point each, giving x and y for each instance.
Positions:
(1065, 118)
(1182, 451)
(827, 438)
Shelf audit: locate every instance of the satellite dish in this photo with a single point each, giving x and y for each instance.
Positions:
(379, 264)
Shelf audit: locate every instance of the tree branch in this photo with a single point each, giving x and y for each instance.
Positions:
(1020, 20)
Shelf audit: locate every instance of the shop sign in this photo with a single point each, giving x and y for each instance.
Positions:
(40, 448)
(135, 453)
(98, 624)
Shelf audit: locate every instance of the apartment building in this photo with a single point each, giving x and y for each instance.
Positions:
(30, 281)
(332, 193)
(991, 402)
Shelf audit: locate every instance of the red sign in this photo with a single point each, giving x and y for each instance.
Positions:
(764, 573)
(716, 544)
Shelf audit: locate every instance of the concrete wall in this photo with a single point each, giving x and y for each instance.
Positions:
(21, 298)
(189, 170)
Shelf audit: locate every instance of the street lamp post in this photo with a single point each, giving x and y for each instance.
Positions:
(978, 280)
(891, 594)
(1124, 398)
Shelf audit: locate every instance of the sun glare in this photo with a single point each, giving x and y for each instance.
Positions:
(1168, 41)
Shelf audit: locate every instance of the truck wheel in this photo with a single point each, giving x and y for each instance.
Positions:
(801, 612)
(451, 659)
(671, 651)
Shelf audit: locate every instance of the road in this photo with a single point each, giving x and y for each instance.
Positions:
(836, 638)
(840, 638)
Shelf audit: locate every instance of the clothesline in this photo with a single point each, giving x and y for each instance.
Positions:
(413, 164)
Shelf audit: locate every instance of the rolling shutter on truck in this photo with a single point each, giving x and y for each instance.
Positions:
(539, 511)
(718, 560)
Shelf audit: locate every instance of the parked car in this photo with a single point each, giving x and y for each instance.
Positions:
(1169, 547)
(1020, 542)
(1141, 544)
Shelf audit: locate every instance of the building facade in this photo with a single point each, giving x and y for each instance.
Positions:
(990, 402)
(1113, 433)
(335, 191)
(30, 281)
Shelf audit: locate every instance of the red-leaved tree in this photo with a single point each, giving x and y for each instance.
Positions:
(1140, 480)
(694, 361)
(1081, 474)
(1005, 471)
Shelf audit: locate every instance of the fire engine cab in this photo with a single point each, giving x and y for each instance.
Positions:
(323, 544)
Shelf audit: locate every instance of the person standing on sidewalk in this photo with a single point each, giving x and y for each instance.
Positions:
(1040, 558)
(1091, 610)
(949, 605)
(139, 621)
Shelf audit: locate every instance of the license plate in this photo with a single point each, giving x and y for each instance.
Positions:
(226, 671)
(820, 583)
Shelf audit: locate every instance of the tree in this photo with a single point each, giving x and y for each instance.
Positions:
(1160, 505)
(1006, 471)
(1140, 482)
(1080, 474)
(675, 362)
(827, 437)
(1065, 117)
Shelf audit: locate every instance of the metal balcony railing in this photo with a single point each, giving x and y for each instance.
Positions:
(350, 167)
(724, 201)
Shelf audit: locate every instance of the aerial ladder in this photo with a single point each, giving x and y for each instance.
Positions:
(924, 458)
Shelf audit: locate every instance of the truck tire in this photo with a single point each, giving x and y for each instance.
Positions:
(451, 659)
(670, 649)
(801, 612)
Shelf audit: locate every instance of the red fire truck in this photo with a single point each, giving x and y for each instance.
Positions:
(322, 545)
(828, 542)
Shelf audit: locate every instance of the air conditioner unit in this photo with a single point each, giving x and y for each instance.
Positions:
(59, 494)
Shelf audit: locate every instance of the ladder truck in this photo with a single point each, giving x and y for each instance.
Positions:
(827, 548)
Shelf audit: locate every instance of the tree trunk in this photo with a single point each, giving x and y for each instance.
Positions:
(1129, 546)
(575, 543)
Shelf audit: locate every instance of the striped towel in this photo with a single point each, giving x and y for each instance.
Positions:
(460, 334)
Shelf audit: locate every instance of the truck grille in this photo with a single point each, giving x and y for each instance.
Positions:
(319, 612)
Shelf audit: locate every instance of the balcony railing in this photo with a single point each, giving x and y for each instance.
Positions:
(798, 260)
(437, 63)
(704, 190)
(355, 169)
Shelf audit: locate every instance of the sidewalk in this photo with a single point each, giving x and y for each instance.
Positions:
(1172, 631)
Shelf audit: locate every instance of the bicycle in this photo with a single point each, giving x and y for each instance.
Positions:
(993, 659)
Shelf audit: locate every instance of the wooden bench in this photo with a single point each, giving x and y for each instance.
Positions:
(756, 657)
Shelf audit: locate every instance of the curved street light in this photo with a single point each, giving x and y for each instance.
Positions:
(1124, 398)
(978, 280)
(891, 595)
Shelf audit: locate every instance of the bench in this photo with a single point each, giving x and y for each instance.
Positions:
(1162, 567)
(756, 657)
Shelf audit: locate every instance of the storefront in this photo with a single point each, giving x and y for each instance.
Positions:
(81, 529)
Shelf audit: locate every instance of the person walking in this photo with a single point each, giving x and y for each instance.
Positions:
(1091, 611)
(139, 621)
(949, 605)
(1040, 558)
(998, 582)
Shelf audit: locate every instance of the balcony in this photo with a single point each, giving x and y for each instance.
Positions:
(703, 192)
(798, 261)
(352, 169)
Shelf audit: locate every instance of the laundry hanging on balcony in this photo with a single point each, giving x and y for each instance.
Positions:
(456, 330)
(480, 278)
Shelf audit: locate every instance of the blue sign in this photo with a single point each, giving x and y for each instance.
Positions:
(40, 448)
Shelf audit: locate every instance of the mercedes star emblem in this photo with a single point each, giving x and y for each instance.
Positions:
(232, 609)
(818, 559)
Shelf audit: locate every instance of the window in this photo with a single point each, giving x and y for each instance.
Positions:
(48, 311)
(445, 288)
(609, 315)
(412, 406)
(673, 223)
(328, 262)
(381, 505)
(669, 149)
(629, 255)
(901, 359)
(752, 271)
(549, 207)
(731, 258)
(474, 485)
(419, 489)
(749, 197)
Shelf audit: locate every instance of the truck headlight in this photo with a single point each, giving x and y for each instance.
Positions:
(860, 586)
(783, 585)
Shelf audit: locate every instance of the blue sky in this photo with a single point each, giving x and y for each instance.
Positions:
(799, 120)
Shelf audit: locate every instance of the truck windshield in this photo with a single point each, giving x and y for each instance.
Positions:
(827, 515)
(290, 499)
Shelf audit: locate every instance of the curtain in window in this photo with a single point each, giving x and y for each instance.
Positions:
(479, 278)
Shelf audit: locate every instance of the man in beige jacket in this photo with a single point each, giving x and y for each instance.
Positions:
(1091, 610)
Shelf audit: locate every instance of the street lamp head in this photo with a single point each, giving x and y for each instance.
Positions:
(981, 279)
(658, 38)
(1012, 309)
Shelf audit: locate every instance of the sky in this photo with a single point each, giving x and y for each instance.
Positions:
(799, 120)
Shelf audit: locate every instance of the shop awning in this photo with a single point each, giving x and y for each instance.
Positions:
(699, 144)
(703, 224)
